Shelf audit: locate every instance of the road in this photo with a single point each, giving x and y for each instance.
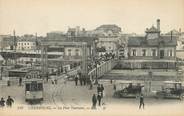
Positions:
(69, 95)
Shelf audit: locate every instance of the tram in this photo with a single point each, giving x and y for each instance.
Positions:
(33, 90)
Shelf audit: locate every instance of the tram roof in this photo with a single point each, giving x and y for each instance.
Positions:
(171, 82)
(127, 82)
(33, 79)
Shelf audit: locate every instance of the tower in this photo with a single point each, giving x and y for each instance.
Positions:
(158, 24)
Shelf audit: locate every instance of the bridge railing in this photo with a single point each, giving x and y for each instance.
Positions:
(102, 69)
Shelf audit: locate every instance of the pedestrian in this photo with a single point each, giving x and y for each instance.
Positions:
(76, 80)
(20, 81)
(9, 101)
(8, 83)
(102, 90)
(91, 85)
(114, 87)
(2, 102)
(94, 101)
(80, 79)
(84, 80)
(55, 81)
(98, 89)
(141, 101)
(99, 99)
(111, 81)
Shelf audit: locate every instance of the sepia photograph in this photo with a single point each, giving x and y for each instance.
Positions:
(92, 57)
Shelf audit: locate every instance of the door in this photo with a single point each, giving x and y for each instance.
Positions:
(161, 54)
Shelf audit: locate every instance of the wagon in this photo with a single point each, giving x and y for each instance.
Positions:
(171, 89)
(128, 89)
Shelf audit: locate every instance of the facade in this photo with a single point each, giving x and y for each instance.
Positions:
(153, 45)
(26, 43)
(108, 30)
(55, 35)
(6, 42)
(109, 43)
(153, 50)
(76, 32)
(75, 51)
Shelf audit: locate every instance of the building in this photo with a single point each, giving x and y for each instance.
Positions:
(109, 43)
(27, 43)
(75, 52)
(180, 38)
(55, 35)
(152, 50)
(6, 42)
(108, 30)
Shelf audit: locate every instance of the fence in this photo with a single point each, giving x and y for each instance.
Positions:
(102, 69)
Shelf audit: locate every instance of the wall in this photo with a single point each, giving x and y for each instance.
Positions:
(110, 44)
(73, 51)
(149, 52)
(26, 45)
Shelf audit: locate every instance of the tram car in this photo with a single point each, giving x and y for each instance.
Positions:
(171, 89)
(128, 89)
(33, 90)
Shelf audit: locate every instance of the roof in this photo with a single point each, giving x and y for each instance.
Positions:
(114, 28)
(33, 79)
(172, 82)
(88, 40)
(174, 32)
(161, 41)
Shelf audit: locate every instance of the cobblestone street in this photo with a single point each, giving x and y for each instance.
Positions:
(67, 94)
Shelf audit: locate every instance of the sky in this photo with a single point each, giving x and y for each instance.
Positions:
(42, 16)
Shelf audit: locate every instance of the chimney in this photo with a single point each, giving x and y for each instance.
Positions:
(14, 41)
(158, 24)
(171, 35)
(179, 31)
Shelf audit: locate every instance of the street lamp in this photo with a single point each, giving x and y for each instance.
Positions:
(96, 79)
(150, 80)
(1, 73)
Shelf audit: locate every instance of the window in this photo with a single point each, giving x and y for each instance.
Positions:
(77, 52)
(153, 52)
(34, 86)
(170, 53)
(69, 52)
(134, 52)
(143, 52)
(27, 87)
(40, 87)
(27, 43)
(24, 43)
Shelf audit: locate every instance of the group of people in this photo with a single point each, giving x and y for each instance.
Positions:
(8, 102)
(98, 97)
(81, 80)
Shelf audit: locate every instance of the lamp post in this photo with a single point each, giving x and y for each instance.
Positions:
(1, 73)
(96, 66)
(150, 79)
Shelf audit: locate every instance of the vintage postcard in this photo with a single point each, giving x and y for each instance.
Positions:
(92, 57)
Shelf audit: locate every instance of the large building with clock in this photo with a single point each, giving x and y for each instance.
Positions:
(153, 49)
